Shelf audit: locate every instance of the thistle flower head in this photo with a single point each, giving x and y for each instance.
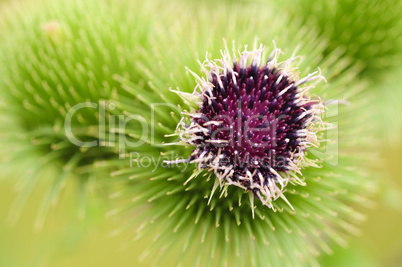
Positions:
(253, 124)
(320, 213)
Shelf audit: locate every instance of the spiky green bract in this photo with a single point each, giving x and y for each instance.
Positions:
(370, 31)
(55, 55)
(224, 232)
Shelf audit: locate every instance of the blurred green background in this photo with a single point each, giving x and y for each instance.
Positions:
(84, 243)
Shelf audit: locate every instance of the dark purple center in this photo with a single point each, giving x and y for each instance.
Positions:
(256, 123)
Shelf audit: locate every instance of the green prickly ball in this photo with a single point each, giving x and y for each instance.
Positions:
(368, 31)
(190, 212)
(58, 60)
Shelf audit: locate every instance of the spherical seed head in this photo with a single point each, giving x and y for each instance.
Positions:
(254, 123)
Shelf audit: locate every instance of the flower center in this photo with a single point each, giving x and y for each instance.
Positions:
(253, 125)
